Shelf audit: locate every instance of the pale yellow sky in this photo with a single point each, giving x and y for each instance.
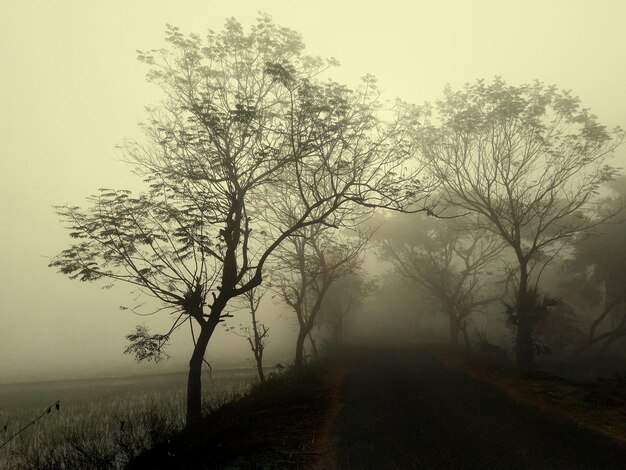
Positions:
(71, 89)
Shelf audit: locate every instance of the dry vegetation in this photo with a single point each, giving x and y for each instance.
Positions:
(101, 423)
(597, 404)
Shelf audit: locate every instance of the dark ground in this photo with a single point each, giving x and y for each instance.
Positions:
(277, 426)
(391, 409)
(403, 410)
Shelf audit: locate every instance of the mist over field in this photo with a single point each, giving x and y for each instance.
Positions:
(299, 202)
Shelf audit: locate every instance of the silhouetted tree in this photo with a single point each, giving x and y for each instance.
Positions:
(243, 119)
(310, 262)
(256, 334)
(528, 160)
(344, 297)
(453, 264)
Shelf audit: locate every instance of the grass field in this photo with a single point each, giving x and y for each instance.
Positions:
(97, 410)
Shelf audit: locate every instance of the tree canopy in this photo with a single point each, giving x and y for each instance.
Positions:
(529, 161)
(245, 122)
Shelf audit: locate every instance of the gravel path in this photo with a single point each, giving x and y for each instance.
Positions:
(403, 410)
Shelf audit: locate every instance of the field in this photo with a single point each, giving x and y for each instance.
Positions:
(103, 410)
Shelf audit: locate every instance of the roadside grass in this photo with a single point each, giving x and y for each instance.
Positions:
(103, 423)
(282, 424)
(599, 405)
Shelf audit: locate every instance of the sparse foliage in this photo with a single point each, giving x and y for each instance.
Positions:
(344, 297)
(311, 261)
(454, 265)
(528, 161)
(256, 333)
(244, 122)
(145, 346)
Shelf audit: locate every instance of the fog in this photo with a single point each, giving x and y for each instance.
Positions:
(72, 90)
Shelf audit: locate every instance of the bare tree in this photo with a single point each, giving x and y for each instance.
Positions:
(528, 160)
(344, 297)
(310, 262)
(453, 264)
(243, 119)
(256, 333)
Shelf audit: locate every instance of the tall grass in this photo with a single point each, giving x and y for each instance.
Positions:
(102, 423)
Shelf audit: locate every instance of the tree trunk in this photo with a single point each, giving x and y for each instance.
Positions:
(313, 347)
(194, 379)
(256, 344)
(465, 338)
(524, 350)
(299, 361)
(525, 354)
(259, 366)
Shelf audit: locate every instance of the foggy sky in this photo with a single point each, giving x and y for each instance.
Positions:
(71, 89)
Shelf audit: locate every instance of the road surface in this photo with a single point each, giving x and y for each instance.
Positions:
(403, 410)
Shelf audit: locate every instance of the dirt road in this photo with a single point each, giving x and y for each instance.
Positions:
(405, 411)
